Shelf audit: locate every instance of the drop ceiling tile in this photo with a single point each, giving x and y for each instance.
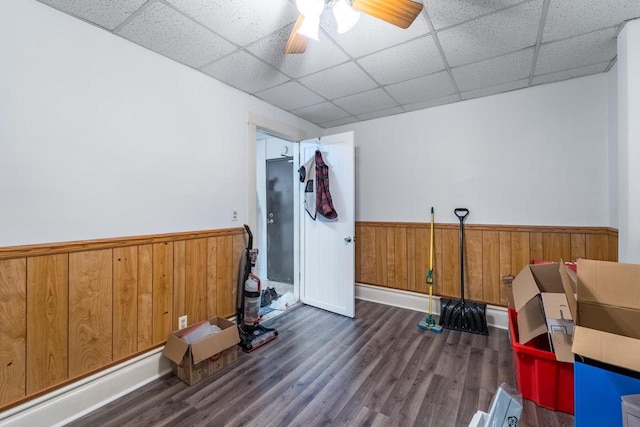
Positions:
(487, 91)
(366, 102)
(339, 81)
(240, 21)
(107, 14)
(290, 96)
(445, 13)
(339, 122)
(320, 55)
(406, 61)
(432, 103)
(381, 113)
(321, 113)
(163, 30)
(570, 74)
(359, 41)
(577, 52)
(256, 75)
(422, 89)
(568, 18)
(505, 31)
(506, 68)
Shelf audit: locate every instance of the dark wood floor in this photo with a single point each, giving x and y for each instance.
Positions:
(378, 369)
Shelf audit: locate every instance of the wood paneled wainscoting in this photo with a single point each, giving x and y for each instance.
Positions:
(396, 255)
(68, 310)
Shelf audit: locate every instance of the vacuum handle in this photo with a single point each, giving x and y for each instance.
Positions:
(461, 213)
(250, 243)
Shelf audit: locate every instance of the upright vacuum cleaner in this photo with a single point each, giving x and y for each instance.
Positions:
(252, 333)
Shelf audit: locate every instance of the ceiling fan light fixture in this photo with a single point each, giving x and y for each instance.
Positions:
(310, 26)
(309, 8)
(346, 17)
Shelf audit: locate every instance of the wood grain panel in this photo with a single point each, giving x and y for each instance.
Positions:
(410, 255)
(196, 280)
(597, 246)
(438, 262)
(505, 262)
(13, 329)
(381, 256)
(145, 297)
(474, 262)
(179, 281)
(87, 304)
(90, 310)
(520, 252)
(556, 247)
(536, 247)
(47, 321)
(578, 246)
(450, 263)
(366, 246)
(125, 301)
(401, 264)
(491, 264)
(516, 247)
(162, 291)
(613, 247)
(225, 264)
(422, 261)
(391, 258)
(212, 277)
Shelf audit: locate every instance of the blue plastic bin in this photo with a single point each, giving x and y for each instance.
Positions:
(598, 392)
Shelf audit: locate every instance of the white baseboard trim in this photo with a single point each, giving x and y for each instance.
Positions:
(78, 399)
(496, 316)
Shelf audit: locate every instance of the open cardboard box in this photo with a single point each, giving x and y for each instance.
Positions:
(542, 308)
(194, 362)
(606, 307)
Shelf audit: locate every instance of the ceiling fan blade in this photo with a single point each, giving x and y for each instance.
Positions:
(297, 43)
(397, 12)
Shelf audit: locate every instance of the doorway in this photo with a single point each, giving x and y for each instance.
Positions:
(280, 219)
(335, 239)
(275, 219)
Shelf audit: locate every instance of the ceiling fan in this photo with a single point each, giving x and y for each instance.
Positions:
(397, 12)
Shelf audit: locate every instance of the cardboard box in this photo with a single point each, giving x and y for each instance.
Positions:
(542, 308)
(507, 282)
(606, 306)
(194, 362)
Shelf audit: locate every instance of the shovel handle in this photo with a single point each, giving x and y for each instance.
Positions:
(461, 213)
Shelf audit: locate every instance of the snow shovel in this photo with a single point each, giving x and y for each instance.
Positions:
(459, 314)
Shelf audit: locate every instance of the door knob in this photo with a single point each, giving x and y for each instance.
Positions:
(270, 220)
(347, 239)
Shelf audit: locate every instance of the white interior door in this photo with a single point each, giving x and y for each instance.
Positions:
(327, 246)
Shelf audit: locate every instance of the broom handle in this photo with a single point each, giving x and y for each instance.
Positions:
(431, 246)
(430, 275)
(461, 213)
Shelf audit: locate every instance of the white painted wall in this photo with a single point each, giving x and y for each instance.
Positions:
(536, 156)
(100, 137)
(612, 109)
(629, 142)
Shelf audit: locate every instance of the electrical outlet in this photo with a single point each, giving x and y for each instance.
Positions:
(234, 216)
(182, 322)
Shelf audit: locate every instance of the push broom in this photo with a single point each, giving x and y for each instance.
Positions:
(429, 324)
